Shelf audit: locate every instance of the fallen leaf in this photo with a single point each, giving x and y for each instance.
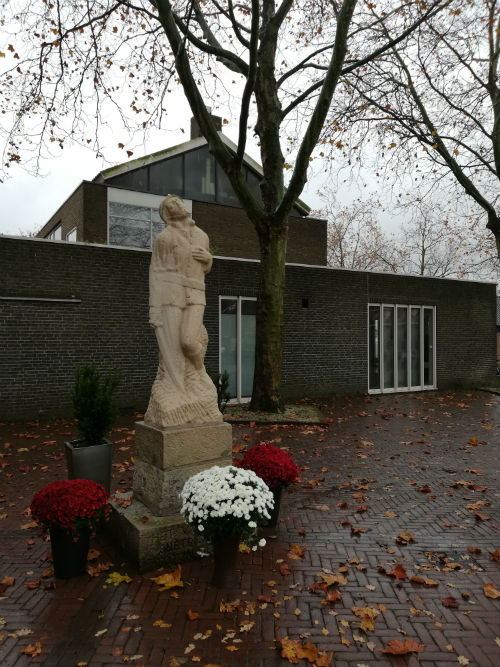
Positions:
(399, 572)
(285, 569)
(169, 579)
(296, 552)
(192, 615)
(229, 606)
(490, 591)
(32, 649)
(462, 660)
(100, 632)
(161, 624)
(367, 616)
(450, 602)
(116, 578)
(398, 647)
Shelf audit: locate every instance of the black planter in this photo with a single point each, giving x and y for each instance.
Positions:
(90, 462)
(273, 521)
(226, 553)
(69, 557)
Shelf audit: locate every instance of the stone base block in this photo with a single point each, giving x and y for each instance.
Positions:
(161, 541)
(182, 445)
(166, 458)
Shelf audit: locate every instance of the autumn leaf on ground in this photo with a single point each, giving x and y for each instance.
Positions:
(332, 579)
(293, 650)
(495, 555)
(424, 580)
(162, 624)
(367, 616)
(332, 595)
(398, 647)
(5, 583)
(95, 570)
(32, 649)
(93, 554)
(116, 578)
(296, 552)
(404, 537)
(399, 572)
(169, 579)
(490, 591)
(285, 569)
(462, 660)
(450, 602)
(390, 514)
(246, 626)
(192, 615)
(229, 606)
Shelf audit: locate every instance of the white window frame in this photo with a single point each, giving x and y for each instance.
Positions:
(144, 199)
(410, 387)
(239, 299)
(71, 232)
(52, 233)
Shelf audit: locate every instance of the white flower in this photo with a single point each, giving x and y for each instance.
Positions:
(254, 548)
(201, 528)
(252, 524)
(262, 542)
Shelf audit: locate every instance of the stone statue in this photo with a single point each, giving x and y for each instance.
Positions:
(182, 392)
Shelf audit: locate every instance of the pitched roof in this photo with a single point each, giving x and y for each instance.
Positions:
(185, 147)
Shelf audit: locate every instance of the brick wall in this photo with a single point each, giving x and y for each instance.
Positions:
(99, 313)
(86, 209)
(233, 235)
(231, 232)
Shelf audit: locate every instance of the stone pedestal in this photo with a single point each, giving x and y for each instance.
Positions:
(151, 529)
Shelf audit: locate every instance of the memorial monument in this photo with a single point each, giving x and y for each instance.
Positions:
(182, 432)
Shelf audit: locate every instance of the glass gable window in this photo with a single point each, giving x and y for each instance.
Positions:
(401, 347)
(199, 180)
(191, 175)
(237, 344)
(56, 234)
(135, 226)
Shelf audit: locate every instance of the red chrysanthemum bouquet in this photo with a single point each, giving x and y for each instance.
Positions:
(273, 465)
(72, 505)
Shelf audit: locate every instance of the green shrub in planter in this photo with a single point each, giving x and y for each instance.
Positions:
(93, 403)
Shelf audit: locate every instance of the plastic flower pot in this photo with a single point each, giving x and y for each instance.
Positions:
(90, 462)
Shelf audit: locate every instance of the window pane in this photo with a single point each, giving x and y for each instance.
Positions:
(374, 347)
(199, 175)
(254, 185)
(225, 192)
(388, 348)
(129, 211)
(135, 180)
(165, 178)
(248, 310)
(228, 340)
(135, 233)
(402, 347)
(71, 236)
(157, 224)
(415, 347)
(428, 347)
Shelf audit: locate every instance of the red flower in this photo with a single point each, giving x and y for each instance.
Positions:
(273, 465)
(70, 504)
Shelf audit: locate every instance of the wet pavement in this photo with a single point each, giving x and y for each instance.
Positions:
(397, 513)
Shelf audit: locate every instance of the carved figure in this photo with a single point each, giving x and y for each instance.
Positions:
(182, 392)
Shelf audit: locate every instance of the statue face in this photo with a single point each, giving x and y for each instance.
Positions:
(172, 208)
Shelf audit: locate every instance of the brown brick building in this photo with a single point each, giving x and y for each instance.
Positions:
(120, 206)
(85, 298)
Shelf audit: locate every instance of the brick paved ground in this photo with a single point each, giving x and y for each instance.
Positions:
(381, 465)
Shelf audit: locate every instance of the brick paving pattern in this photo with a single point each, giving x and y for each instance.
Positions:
(427, 464)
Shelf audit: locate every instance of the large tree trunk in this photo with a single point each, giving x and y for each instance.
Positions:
(266, 395)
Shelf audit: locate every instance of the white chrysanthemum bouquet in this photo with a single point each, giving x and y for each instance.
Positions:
(224, 501)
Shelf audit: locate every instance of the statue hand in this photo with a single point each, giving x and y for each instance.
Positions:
(201, 254)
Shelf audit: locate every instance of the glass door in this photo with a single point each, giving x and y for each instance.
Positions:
(401, 347)
(237, 344)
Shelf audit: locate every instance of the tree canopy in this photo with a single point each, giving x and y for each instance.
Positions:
(276, 67)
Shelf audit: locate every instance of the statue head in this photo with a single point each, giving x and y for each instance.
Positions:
(172, 208)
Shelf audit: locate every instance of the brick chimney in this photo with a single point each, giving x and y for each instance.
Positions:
(195, 130)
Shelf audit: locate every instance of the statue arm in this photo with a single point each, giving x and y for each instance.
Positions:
(155, 296)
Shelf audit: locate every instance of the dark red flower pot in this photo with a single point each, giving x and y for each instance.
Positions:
(69, 557)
